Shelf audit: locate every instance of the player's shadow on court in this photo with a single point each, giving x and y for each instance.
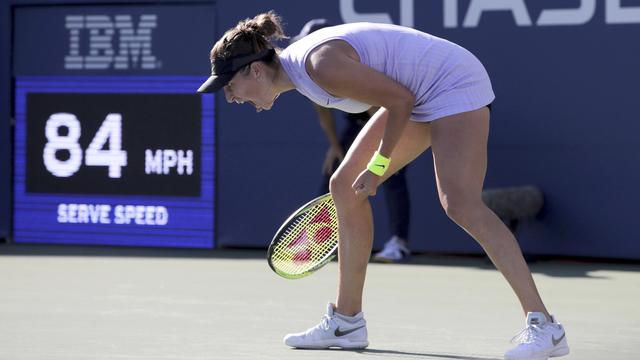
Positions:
(405, 354)
(414, 355)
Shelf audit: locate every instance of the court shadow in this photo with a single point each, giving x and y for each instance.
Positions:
(128, 251)
(564, 267)
(414, 355)
(404, 354)
(554, 266)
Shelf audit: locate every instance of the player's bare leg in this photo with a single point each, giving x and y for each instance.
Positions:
(354, 212)
(460, 161)
(344, 326)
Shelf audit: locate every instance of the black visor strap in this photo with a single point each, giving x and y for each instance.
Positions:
(232, 65)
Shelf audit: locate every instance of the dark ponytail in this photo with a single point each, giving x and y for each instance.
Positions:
(250, 36)
(267, 24)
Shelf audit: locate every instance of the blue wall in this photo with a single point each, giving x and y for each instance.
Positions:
(565, 119)
(5, 122)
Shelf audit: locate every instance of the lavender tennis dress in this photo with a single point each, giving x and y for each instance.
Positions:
(445, 78)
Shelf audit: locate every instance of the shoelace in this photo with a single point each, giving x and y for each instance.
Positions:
(324, 323)
(528, 335)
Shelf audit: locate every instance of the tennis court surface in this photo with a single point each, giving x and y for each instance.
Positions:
(72, 303)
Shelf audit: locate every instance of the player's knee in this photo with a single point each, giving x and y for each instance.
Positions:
(340, 187)
(458, 207)
(337, 184)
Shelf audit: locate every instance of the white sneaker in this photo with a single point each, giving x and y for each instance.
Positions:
(395, 250)
(539, 340)
(334, 331)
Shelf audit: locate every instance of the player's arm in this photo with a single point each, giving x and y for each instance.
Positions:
(333, 67)
(328, 124)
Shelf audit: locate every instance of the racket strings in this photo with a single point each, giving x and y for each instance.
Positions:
(307, 240)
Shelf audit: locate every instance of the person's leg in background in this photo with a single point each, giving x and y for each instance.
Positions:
(396, 249)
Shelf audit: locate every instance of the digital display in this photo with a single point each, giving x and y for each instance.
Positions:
(118, 161)
(130, 144)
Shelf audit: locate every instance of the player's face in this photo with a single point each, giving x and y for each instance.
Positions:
(253, 86)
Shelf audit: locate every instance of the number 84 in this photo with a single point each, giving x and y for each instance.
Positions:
(111, 130)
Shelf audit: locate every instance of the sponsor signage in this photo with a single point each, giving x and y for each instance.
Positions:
(576, 14)
(113, 39)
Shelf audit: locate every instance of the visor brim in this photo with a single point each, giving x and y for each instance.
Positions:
(215, 83)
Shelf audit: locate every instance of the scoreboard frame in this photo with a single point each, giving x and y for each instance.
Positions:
(190, 218)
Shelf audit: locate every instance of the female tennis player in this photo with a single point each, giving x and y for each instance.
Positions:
(431, 93)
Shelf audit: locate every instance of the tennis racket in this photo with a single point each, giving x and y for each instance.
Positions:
(306, 241)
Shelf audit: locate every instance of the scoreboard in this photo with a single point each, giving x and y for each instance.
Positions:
(113, 161)
(112, 144)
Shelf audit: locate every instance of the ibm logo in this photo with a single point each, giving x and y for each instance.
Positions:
(133, 45)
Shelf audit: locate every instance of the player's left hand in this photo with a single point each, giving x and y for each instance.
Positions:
(366, 183)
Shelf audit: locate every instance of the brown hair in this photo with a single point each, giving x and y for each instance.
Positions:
(250, 36)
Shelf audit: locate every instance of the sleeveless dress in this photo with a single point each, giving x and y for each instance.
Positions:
(445, 78)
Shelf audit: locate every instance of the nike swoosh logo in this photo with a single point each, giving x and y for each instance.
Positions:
(554, 340)
(382, 166)
(339, 332)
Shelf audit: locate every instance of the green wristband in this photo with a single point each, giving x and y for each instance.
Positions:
(378, 164)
